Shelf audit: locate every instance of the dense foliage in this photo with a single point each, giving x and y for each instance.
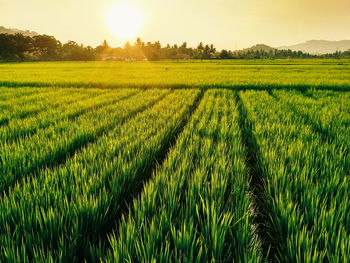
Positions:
(201, 193)
(17, 47)
(174, 173)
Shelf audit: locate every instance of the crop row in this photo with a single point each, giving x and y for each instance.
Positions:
(13, 94)
(17, 93)
(196, 208)
(39, 102)
(329, 115)
(62, 210)
(11, 99)
(52, 145)
(328, 112)
(132, 175)
(306, 180)
(31, 104)
(66, 107)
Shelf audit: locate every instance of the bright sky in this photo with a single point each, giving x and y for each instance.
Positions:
(228, 24)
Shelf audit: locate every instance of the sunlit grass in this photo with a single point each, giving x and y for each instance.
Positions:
(231, 73)
(189, 174)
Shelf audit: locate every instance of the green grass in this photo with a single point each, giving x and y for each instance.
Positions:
(175, 161)
(306, 179)
(92, 196)
(32, 106)
(49, 146)
(230, 73)
(197, 207)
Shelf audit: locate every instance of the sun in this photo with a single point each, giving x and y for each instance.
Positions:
(124, 21)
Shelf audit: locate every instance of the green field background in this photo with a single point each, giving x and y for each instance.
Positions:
(257, 74)
(175, 161)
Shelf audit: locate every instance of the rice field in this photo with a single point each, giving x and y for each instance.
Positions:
(213, 161)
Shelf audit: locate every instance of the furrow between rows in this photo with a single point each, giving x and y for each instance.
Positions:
(55, 145)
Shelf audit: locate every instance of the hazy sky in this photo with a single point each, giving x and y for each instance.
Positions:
(229, 24)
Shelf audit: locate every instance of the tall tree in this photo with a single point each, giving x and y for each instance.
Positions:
(46, 47)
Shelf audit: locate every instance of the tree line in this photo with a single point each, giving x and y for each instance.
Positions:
(17, 47)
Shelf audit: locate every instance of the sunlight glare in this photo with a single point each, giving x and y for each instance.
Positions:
(124, 21)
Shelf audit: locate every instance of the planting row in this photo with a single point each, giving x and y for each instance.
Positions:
(52, 145)
(65, 107)
(161, 175)
(306, 180)
(57, 213)
(197, 208)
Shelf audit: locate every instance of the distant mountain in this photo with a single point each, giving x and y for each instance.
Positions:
(320, 46)
(4, 30)
(259, 47)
